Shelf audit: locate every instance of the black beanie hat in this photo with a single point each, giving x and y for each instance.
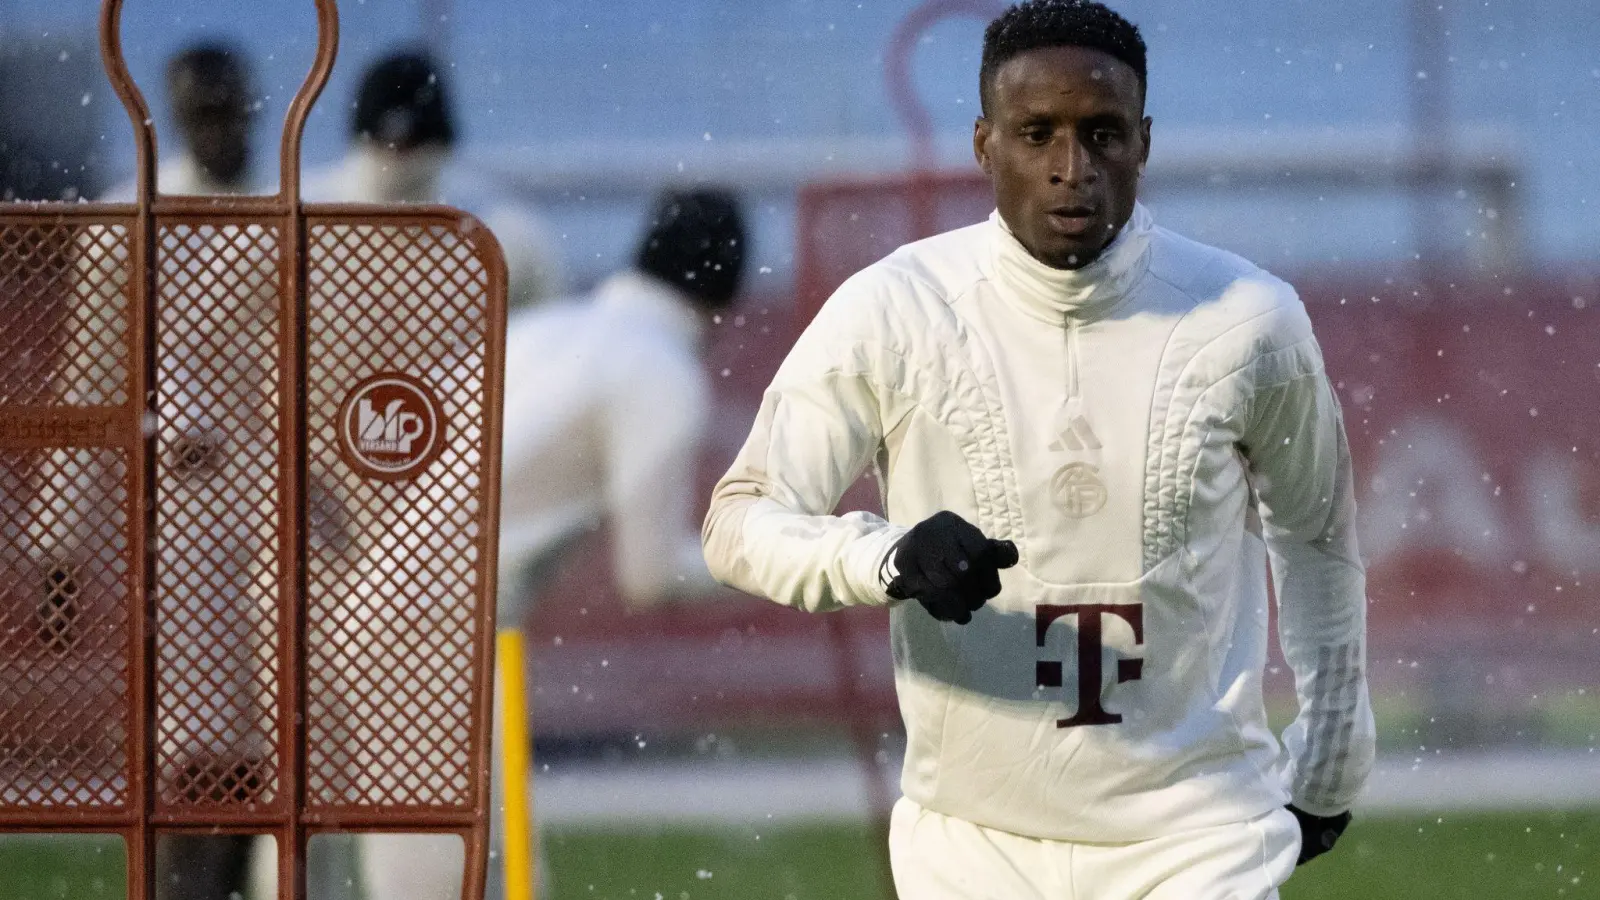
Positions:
(403, 103)
(696, 242)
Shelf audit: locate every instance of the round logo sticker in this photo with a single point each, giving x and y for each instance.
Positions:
(391, 427)
(1078, 490)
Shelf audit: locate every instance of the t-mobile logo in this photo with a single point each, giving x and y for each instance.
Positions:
(1091, 681)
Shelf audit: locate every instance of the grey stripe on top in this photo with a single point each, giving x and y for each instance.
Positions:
(1335, 692)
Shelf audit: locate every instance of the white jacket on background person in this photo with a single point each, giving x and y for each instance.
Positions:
(1148, 430)
(534, 272)
(604, 407)
(181, 176)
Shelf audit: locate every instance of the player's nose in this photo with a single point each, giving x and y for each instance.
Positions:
(1071, 164)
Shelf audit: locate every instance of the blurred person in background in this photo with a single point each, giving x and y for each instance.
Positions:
(403, 141)
(606, 399)
(605, 403)
(213, 95)
(211, 88)
(1079, 417)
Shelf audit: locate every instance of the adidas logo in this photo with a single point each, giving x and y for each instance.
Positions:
(1076, 438)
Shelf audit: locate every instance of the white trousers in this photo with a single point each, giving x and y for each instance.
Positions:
(937, 857)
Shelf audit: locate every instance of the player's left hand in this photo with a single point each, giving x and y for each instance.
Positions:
(1318, 834)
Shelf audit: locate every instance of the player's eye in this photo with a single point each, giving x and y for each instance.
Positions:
(1105, 137)
(1036, 134)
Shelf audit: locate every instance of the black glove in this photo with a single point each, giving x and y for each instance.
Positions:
(1318, 833)
(948, 566)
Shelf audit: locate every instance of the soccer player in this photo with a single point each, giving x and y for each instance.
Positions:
(212, 91)
(605, 402)
(214, 105)
(1091, 434)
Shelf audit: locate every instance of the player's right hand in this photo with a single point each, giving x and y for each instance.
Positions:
(945, 563)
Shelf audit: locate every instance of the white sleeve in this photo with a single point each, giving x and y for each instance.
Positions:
(655, 414)
(1300, 464)
(533, 267)
(770, 530)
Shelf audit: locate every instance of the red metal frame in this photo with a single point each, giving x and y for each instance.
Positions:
(177, 486)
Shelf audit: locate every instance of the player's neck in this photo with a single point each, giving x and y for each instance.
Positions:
(1052, 294)
(382, 176)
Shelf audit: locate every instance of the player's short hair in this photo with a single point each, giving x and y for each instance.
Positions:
(217, 69)
(403, 103)
(696, 242)
(1036, 24)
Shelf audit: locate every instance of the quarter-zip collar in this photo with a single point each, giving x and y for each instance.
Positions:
(1054, 295)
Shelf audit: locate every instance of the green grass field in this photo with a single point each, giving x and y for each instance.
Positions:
(67, 868)
(1505, 856)
(1499, 856)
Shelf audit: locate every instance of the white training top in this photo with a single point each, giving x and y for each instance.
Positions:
(534, 272)
(181, 176)
(604, 407)
(1148, 430)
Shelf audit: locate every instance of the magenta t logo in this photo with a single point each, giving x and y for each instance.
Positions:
(1091, 682)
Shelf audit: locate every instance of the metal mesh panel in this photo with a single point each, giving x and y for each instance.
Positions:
(64, 594)
(159, 501)
(392, 637)
(64, 530)
(217, 632)
(63, 314)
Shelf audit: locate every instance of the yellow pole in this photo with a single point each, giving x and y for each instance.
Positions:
(514, 757)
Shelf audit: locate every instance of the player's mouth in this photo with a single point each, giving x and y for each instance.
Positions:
(1074, 220)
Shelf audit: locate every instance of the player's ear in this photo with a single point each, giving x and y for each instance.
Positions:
(981, 130)
(1144, 133)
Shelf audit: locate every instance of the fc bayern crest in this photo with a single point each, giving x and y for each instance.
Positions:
(391, 427)
(1078, 490)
